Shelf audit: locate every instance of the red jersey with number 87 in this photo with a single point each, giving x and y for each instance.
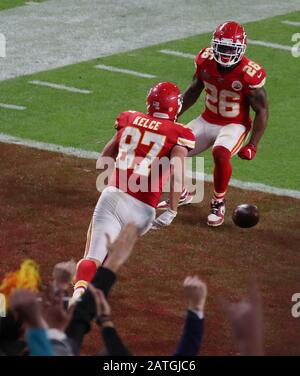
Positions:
(143, 142)
(226, 91)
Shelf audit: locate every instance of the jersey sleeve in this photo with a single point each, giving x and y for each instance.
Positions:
(255, 78)
(186, 138)
(201, 59)
(123, 119)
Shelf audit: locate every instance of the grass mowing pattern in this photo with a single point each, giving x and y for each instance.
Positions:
(86, 121)
(7, 4)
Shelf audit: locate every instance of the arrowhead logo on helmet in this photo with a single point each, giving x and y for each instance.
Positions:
(164, 101)
(229, 43)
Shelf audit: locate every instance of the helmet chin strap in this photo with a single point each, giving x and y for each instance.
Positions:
(226, 65)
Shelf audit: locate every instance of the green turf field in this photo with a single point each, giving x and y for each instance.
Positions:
(86, 121)
(6, 4)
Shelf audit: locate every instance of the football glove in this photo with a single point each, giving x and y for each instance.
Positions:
(165, 219)
(248, 152)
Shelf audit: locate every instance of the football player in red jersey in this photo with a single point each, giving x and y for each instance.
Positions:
(233, 84)
(138, 147)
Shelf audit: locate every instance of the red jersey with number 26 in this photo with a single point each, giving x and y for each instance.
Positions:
(226, 91)
(143, 141)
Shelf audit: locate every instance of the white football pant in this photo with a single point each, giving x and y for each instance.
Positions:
(230, 136)
(115, 209)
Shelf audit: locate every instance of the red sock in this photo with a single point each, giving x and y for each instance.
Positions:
(222, 171)
(86, 270)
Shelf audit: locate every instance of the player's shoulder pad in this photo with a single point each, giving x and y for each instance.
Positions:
(180, 125)
(205, 54)
(122, 119)
(254, 75)
(185, 137)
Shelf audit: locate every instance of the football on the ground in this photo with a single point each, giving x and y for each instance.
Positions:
(245, 216)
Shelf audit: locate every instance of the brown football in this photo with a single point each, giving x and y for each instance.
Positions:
(245, 215)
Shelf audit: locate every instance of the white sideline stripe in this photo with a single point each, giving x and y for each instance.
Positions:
(59, 87)
(269, 44)
(126, 71)
(291, 23)
(178, 53)
(94, 155)
(250, 186)
(49, 147)
(12, 106)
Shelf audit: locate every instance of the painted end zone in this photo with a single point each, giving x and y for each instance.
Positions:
(251, 186)
(47, 200)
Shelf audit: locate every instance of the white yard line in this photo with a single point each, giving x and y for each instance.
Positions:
(121, 70)
(94, 155)
(12, 106)
(291, 23)
(177, 53)
(269, 44)
(250, 41)
(59, 87)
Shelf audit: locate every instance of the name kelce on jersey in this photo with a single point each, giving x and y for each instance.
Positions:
(147, 123)
(145, 145)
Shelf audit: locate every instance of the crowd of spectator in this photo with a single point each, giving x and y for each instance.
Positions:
(46, 324)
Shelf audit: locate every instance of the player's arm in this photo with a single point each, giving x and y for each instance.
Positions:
(192, 93)
(110, 151)
(259, 103)
(177, 174)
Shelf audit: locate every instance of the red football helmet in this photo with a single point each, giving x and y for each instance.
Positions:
(164, 101)
(229, 43)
